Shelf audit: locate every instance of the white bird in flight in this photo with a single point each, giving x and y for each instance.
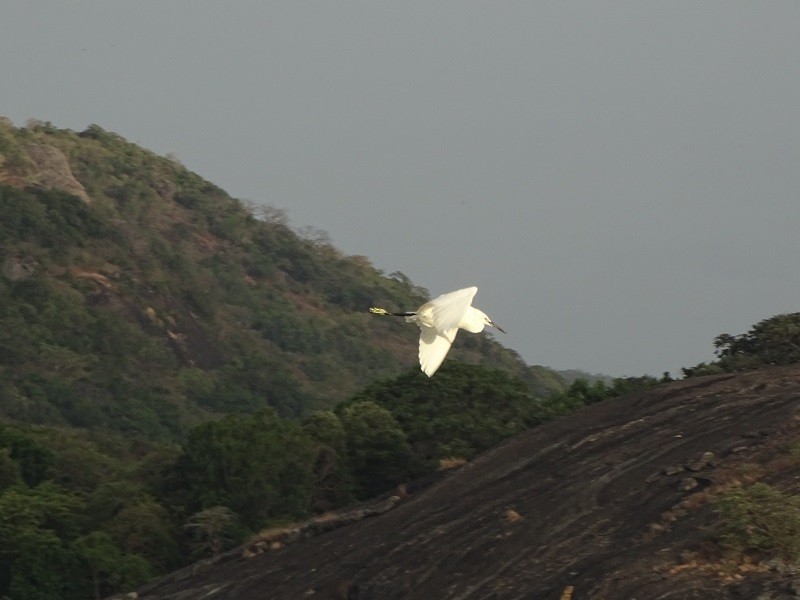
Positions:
(439, 321)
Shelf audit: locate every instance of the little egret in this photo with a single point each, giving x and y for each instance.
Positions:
(439, 320)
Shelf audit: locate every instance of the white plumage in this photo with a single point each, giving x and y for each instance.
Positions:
(439, 321)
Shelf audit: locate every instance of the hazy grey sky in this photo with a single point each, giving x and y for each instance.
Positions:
(620, 179)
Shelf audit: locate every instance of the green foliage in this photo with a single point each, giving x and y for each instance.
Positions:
(68, 362)
(333, 483)
(162, 270)
(760, 518)
(51, 219)
(44, 507)
(773, 341)
(110, 570)
(258, 466)
(35, 527)
(581, 393)
(77, 538)
(464, 410)
(628, 385)
(32, 459)
(702, 369)
(379, 454)
(212, 530)
(44, 568)
(144, 529)
(10, 472)
(131, 323)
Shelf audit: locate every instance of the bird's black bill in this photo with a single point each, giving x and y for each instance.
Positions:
(383, 311)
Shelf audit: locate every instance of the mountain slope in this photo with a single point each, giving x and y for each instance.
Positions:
(615, 501)
(136, 296)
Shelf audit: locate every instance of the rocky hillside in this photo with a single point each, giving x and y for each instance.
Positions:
(687, 490)
(138, 297)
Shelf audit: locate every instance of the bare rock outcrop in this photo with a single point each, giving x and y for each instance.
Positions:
(611, 502)
(53, 171)
(15, 268)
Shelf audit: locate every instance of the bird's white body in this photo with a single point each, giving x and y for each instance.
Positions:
(439, 321)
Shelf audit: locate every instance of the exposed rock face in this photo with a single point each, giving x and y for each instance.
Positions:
(53, 171)
(15, 268)
(602, 504)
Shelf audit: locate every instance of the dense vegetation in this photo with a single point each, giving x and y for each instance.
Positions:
(162, 301)
(761, 520)
(84, 514)
(169, 359)
(773, 341)
(178, 370)
(462, 412)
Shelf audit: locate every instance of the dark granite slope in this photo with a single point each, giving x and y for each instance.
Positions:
(600, 504)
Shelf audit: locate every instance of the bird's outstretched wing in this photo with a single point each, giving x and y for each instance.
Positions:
(433, 347)
(445, 312)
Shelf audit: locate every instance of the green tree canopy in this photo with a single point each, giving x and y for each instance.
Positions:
(333, 484)
(378, 450)
(463, 410)
(773, 341)
(259, 466)
(110, 570)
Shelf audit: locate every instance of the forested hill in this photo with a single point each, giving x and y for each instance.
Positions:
(170, 359)
(137, 296)
(180, 372)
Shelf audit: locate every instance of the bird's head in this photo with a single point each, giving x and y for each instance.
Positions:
(479, 320)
